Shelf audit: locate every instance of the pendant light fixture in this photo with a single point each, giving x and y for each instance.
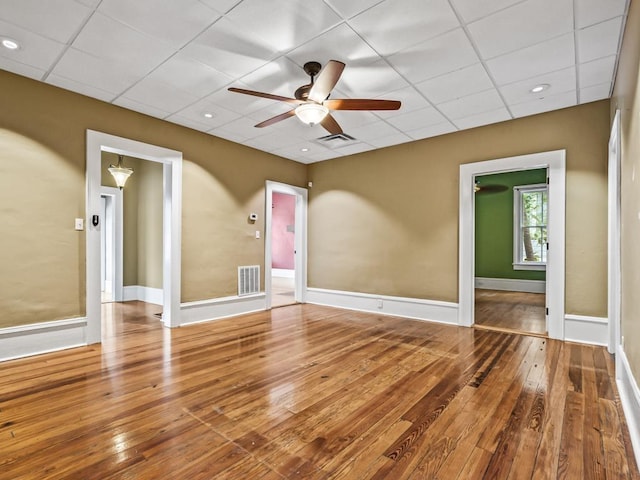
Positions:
(311, 113)
(120, 173)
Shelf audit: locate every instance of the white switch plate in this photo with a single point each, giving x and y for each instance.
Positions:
(257, 233)
(79, 223)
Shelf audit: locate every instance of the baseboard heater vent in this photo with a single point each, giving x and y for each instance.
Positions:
(248, 280)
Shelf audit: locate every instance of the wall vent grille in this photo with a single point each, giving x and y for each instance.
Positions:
(248, 280)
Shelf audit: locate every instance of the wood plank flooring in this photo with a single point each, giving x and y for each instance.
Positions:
(510, 311)
(310, 392)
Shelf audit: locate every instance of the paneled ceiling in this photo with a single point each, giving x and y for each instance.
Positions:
(454, 64)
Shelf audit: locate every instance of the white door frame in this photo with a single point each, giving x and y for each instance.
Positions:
(614, 264)
(300, 239)
(116, 238)
(97, 142)
(554, 161)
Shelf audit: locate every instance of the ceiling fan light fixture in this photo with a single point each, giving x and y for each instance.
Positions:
(120, 173)
(311, 113)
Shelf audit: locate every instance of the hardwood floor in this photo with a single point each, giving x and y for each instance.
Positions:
(510, 311)
(311, 392)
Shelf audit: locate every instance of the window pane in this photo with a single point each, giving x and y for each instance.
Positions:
(534, 244)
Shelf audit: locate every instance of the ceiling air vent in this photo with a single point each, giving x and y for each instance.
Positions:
(336, 140)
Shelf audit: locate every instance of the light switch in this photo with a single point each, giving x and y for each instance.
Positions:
(257, 233)
(79, 223)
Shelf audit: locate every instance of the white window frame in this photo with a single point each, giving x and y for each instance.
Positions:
(517, 226)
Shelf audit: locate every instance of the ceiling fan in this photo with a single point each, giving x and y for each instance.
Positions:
(312, 100)
(489, 188)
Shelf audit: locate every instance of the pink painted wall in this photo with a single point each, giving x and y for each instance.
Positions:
(282, 241)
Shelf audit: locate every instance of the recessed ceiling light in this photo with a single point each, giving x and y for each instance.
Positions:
(10, 44)
(208, 115)
(304, 149)
(540, 88)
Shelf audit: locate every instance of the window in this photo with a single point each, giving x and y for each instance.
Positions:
(530, 227)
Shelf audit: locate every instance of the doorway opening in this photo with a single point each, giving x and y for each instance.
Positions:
(554, 163)
(511, 217)
(285, 244)
(171, 161)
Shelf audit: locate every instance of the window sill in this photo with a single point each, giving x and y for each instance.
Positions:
(529, 266)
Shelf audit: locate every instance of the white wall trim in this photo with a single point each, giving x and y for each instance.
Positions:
(300, 238)
(44, 337)
(283, 273)
(144, 294)
(584, 329)
(613, 237)
(96, 142)
(511, 284)
(555, 163)
(415, 308)
(224, 307)
(630, 399)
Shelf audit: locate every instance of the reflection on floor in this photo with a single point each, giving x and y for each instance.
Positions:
(510, 311)
(282, 291)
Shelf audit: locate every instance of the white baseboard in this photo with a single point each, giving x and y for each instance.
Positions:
(217, 308)
(630, 399)
(144, 294)
(511, 284)
(583, 329)
(430, 310)
(27, 340)
(283, 272)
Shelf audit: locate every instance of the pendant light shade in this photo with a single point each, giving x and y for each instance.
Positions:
(311, 113)
(120, 173)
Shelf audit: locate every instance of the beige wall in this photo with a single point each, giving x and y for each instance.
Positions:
(42, 188)
(142, 220)
(386, 222)
(626, 97)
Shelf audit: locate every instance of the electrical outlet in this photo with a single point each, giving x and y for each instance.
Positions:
(380, 303)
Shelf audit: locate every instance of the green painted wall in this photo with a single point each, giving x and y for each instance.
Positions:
(494, 226)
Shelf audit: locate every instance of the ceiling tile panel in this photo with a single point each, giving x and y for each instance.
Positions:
(226, 47)
(35, 50)
(90, 70)
(58, 20)
(353, 7)
(221, 6)
(441, 128)
(595, 92)
(446, 53)
(484, 118)
(175, 22)
(21, 68)
(389, 140)
(341, 43)
(473, 104)
(140, 107)
(410, 100)
(600, 40)
(123, 45)
(545, 19)
(456, 84)
(159, 94)
(555, 54)
(284, 24)
(394, 25)
(551, 102)
(558, 82)
(219, 115)
(471, 10)
(370, 81)
(597, 72)
(190, 75)
(417, 119)
(81, 88)
(589, 12)
(189, 122)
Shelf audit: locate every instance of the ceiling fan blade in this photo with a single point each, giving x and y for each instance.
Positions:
(265, 95)
(276, 119)
(330, 125)
(326, 80)
(361, 104)
(490, 188)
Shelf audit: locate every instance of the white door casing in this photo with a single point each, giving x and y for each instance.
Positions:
(614, 262)
(300, 241)
(554, 161)
(172, 223)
